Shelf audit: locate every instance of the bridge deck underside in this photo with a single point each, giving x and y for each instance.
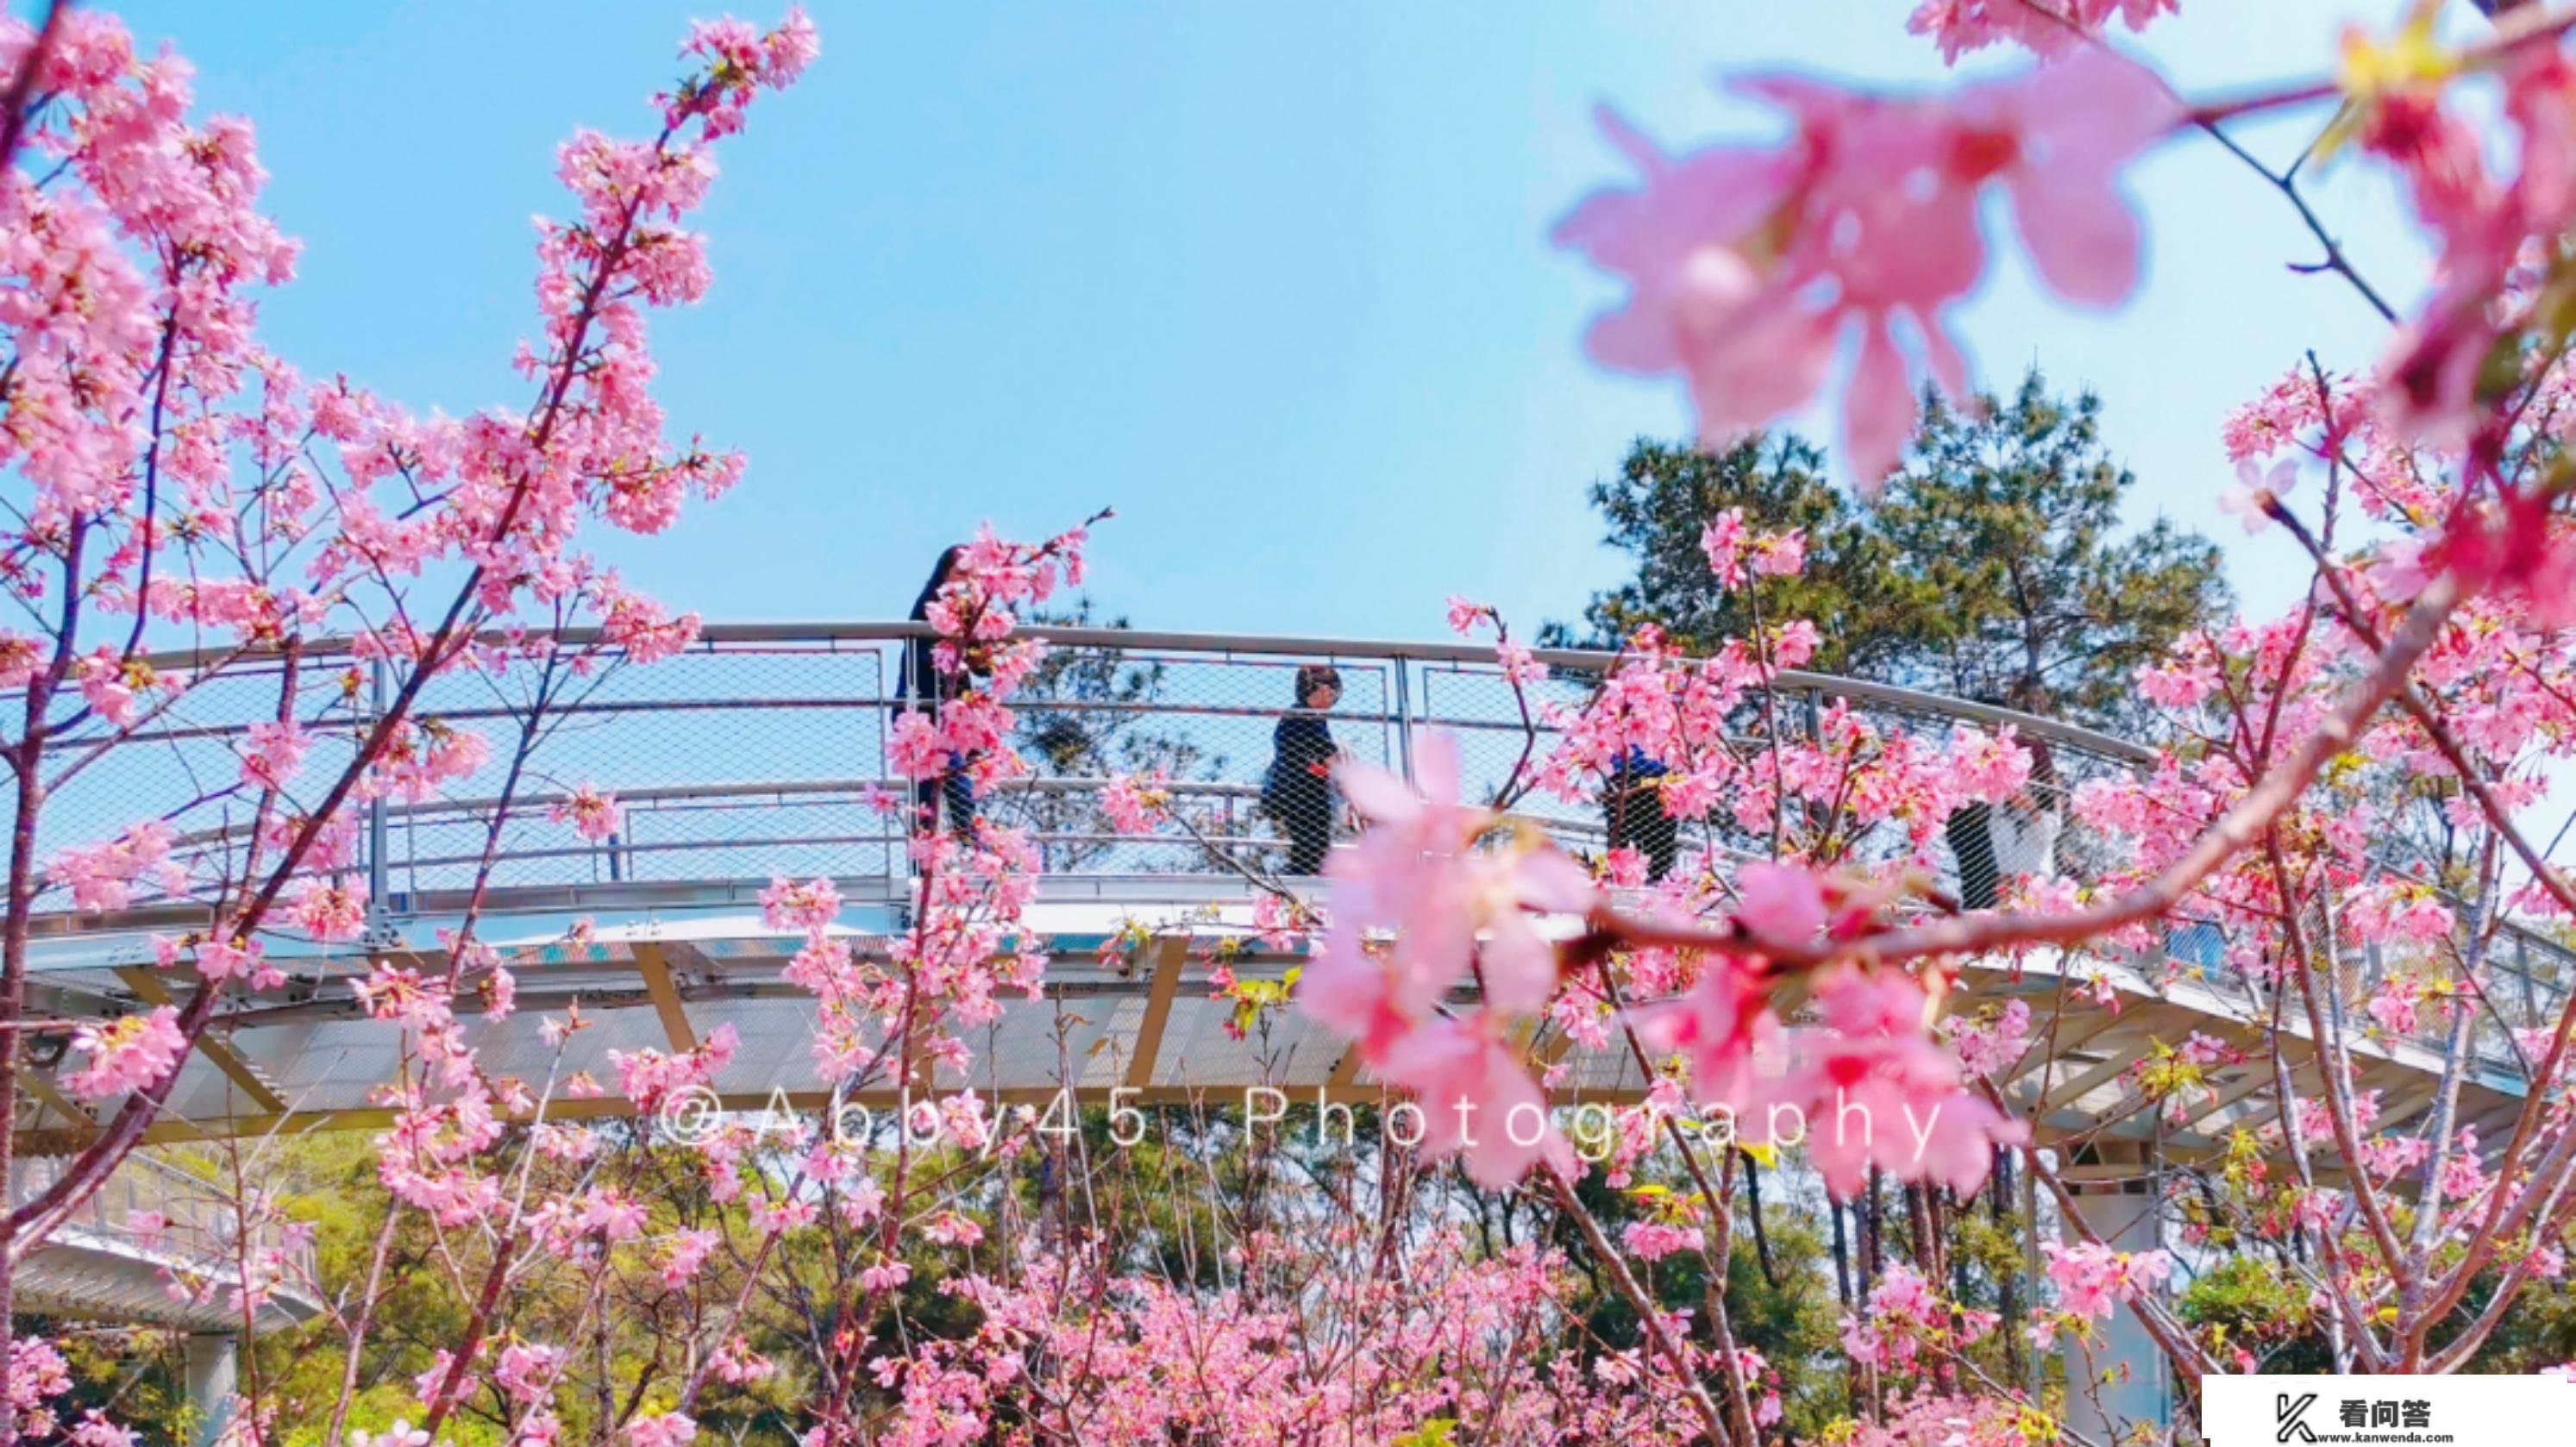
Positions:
(1142, 1022)
(109, 1277)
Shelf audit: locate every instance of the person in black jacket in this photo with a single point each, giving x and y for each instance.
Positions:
(923, 689)
(1298, 794)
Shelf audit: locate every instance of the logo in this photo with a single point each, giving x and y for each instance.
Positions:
(2394, 1410)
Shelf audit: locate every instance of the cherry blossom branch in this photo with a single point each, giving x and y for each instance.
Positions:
(2230, 836)
(2168, 1334)
(1650, 1316)
(2330, 1085)
(22, 90)
(2287, 183)
(2482, 1241)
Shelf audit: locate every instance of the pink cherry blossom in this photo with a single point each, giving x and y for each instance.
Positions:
(221, 960)
(2050, 27)
(102, 877)
(592, 813)
(331, 910)
(1724, 1028)
(2463, 1176)
(274, 756)
(130, 1053)
(1655, 1240)
(20, 657)
(1736, 551)
(1748, 267)
(1992, 767)
(1985, 1047)
(1477, 1101)
(2091, 1279)
(2257, 490)
(113, 687)
(2176, 685)
(2392, 1005)
(2482, 226)
(526, 1370)
(661, 1429)
(1453, 907)
(94, 1430)
(1780, 903)
(1138, 805)
(1878, 1091)
(786, 905)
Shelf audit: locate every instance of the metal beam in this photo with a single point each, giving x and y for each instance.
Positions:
(2047, 1045)
(2084, 1084)
(655, 966)
(2258, 1075)
(219, 1053)
(47, 1094)
(1170, 953)
(2133, 1025)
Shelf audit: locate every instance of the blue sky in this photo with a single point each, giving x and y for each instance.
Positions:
(1269, 278)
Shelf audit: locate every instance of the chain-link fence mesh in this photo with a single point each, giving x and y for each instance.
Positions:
(1242, 759)
(178, 1226)
(754, 755)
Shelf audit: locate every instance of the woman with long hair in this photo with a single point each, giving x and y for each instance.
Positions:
(922, 690)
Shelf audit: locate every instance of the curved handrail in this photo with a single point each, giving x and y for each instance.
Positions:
(844, 678)
(715, 635)
(164, 1219)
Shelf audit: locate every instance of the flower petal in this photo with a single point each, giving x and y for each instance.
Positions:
(1878, 409)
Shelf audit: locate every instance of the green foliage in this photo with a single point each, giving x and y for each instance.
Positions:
(131, 1375)
(1663, 495)
(2248, 1302)
(429, 1275)
(2536, 1333)
(1779, 1290)
(1790, 1316)
(1995, 567)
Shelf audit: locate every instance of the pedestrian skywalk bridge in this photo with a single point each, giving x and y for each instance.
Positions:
(656, 933)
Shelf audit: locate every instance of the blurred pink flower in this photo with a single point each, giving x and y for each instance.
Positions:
(1747, 267)
(1418, 873)
(1780, 903)
(1477, 1101)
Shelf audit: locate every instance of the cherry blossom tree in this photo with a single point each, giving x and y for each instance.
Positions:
(178, 491)
(188, 511)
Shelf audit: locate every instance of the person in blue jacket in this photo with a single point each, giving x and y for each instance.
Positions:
(1633, 808)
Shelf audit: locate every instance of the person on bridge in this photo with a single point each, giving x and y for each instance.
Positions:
(1970, 828)
(923, 689)
(1298, 791)
(2025, 827)
(1632, 806)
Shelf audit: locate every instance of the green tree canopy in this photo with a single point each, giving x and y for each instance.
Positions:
(1995, 567)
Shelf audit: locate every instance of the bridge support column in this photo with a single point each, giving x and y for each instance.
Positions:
(214, 1367)
(2118, 1203)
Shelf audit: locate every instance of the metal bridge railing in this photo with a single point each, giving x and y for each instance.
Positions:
(763, 751)
(154, 1211)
